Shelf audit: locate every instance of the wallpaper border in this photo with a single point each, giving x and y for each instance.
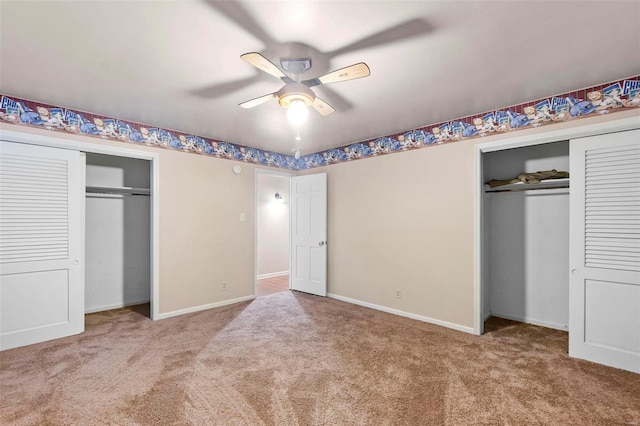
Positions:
(56, 118)
(605, 98)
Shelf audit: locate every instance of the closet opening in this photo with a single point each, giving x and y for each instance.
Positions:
(117, 234)
(525, 234)
(528, 248)
(272, 232)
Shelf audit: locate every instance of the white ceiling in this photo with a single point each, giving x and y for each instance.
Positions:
(169, 63)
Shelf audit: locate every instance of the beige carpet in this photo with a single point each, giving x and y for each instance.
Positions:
(295, 359)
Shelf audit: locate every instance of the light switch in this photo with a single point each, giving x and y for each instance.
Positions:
(242, 217)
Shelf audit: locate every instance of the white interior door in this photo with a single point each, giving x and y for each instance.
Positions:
(41, 244)
(309, 234)
(604, 293)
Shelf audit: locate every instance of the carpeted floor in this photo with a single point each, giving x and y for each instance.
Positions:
(296, 359)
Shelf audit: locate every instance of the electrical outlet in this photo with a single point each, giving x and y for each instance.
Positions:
(398, 294)
(223, 286)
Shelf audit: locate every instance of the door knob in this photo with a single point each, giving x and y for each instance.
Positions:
(574, 271)
(321, 243)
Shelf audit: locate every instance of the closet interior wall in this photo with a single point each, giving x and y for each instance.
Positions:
(526, 240)
(117, 233)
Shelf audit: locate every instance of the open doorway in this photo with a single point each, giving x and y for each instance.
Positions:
(525, 235)
(272, 232)
(530, 149)
(117, 233)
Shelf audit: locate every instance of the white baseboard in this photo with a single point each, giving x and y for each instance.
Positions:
(204, 307)
(530, 321)
(273, 274)
(115, 306)
(398, 312)
(486, 317)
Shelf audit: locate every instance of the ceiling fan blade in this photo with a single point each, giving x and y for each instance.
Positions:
(237, 13)
(221, 89)
(334, 98)
(405, 30)
(322, 107)
(263, 64)
(257, 101)
(351, 72)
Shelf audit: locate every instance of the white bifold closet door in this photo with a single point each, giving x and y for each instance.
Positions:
(41, 244)
(604, 291)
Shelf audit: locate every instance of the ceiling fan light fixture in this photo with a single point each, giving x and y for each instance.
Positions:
(295, 92)
(297, 112)
(295, 98)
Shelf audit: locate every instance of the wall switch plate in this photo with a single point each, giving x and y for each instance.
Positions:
(243, 217)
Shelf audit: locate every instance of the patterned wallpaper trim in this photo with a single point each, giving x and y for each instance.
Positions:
(602, 99)
(55, 118)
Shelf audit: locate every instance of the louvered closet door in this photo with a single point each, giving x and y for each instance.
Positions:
(41, 234)
(604, 314)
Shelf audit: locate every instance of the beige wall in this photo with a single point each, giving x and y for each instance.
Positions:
(404, 221)
(202, 241)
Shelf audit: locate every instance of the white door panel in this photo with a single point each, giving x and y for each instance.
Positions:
(604, 314)
(609, 310)
(34, 299)
(41, 235)
(309, 234)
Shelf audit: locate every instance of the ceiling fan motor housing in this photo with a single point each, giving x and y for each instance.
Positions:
(295, 92)
(295, 66)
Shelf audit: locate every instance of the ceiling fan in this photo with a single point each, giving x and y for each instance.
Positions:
(245, 18)
(296, 95)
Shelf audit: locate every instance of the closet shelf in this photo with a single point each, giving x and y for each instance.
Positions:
(119, 190)
(521, 186)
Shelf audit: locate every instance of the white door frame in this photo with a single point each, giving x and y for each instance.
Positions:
(262, 172)
(57, 140)
(518, 142)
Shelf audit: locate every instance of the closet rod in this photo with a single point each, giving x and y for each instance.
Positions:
(118, 190)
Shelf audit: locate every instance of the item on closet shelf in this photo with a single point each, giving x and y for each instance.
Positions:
(538, 176)
(493, 183)
(530, 178)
